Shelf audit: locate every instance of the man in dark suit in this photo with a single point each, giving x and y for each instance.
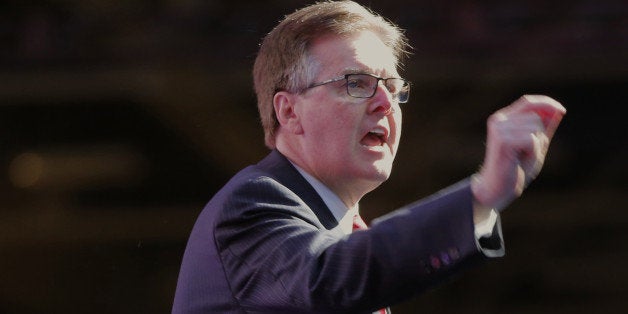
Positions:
(278, 237)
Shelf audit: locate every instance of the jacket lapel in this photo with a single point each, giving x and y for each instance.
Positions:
(283, 171)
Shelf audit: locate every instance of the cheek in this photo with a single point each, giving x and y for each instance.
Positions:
(332, 123)
(341, 121)
(396, 121)
(326, 128)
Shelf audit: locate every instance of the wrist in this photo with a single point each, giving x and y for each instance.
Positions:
(484, 197)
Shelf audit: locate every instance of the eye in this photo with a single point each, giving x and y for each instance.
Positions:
(357, 82)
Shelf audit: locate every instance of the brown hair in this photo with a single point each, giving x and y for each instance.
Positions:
(283, 63)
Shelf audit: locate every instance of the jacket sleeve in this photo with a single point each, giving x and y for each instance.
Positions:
(277, 256)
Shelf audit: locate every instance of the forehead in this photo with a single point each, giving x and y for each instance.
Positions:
(363, 52)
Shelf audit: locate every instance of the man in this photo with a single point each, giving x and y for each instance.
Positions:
(278, 238)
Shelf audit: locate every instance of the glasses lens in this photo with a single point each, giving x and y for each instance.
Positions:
(403, 94)
(394, 85)
(361, 85)
(399, 88)
(365, 85)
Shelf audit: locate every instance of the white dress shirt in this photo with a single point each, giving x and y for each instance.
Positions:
(344, 215)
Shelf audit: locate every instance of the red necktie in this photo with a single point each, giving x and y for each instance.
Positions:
(359, 224)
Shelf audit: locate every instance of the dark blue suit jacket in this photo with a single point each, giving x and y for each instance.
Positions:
(267, 243)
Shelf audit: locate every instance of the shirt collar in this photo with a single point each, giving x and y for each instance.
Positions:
(343, 215)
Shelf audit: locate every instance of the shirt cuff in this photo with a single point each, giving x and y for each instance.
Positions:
(488, 235)
(484, 228)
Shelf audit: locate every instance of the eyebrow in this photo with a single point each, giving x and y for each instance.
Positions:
(355, 71)
(364, 71)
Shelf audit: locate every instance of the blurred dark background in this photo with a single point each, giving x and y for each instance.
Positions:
(120, 119)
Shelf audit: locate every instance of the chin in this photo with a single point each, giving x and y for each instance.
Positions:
(381, 173)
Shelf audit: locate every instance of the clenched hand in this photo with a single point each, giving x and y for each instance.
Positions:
(518, 137)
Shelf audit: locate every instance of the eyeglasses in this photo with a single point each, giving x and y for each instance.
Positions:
(365, 86)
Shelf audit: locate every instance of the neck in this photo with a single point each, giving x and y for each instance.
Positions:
(349, 190)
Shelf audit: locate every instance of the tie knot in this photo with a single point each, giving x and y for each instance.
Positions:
(358, 223)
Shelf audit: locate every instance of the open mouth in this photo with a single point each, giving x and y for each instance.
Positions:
(375, 137)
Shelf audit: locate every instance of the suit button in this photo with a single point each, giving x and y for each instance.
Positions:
(444, 257)
(435, 262)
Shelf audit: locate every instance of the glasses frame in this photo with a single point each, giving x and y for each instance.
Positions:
(374, 87)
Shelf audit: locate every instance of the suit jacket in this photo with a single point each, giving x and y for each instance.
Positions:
(267, 243)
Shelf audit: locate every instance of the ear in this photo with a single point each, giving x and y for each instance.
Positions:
(284, 104)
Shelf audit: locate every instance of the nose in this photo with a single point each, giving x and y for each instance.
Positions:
(381, 102)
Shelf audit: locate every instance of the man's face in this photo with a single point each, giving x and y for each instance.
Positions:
(349, 143)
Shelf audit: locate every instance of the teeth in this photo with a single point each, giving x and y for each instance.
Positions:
(378, 132)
